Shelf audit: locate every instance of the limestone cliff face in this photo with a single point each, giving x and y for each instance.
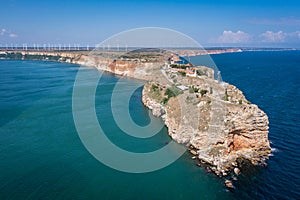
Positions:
(226, 130)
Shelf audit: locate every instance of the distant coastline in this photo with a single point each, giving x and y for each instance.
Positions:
(180, 51)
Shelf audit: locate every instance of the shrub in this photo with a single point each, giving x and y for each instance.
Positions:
(199, 72)
(154, 87)
(203, 92)
(165, 100)
(182, 73)
(173, 92)
(193, 89)
(226, 96)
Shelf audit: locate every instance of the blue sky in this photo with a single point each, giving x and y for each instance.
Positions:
(210, 22)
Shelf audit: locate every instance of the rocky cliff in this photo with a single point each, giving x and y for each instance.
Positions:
(220, 129)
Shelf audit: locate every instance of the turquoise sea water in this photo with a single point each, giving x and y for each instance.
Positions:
(41, 155)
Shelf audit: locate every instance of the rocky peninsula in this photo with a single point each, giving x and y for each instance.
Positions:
(215, 121)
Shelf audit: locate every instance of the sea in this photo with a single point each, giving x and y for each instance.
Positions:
(43, 157)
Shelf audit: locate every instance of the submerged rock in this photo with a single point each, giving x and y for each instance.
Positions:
(229, 184)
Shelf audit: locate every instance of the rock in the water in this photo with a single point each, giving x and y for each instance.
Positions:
(229, 184)
(193, 152)
(237, 171)
(217, 172)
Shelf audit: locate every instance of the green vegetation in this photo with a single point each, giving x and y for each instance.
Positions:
(208, 101)
(193, 89)
(171, 92)
(199, 72)
(203, 92)
(155, 92)
(190, 99)
(12, 55)
(19, 56)
(178, 66)
(41, 57)
(162, 95)
(173, 76)
(182, 73)
(165, 100)
(240, 101)
(145, 53)
(226, 95)
(154, 87)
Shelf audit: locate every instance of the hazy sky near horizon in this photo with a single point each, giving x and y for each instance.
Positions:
(261, 23)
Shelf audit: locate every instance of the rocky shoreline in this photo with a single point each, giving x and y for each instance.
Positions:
(244, 134)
